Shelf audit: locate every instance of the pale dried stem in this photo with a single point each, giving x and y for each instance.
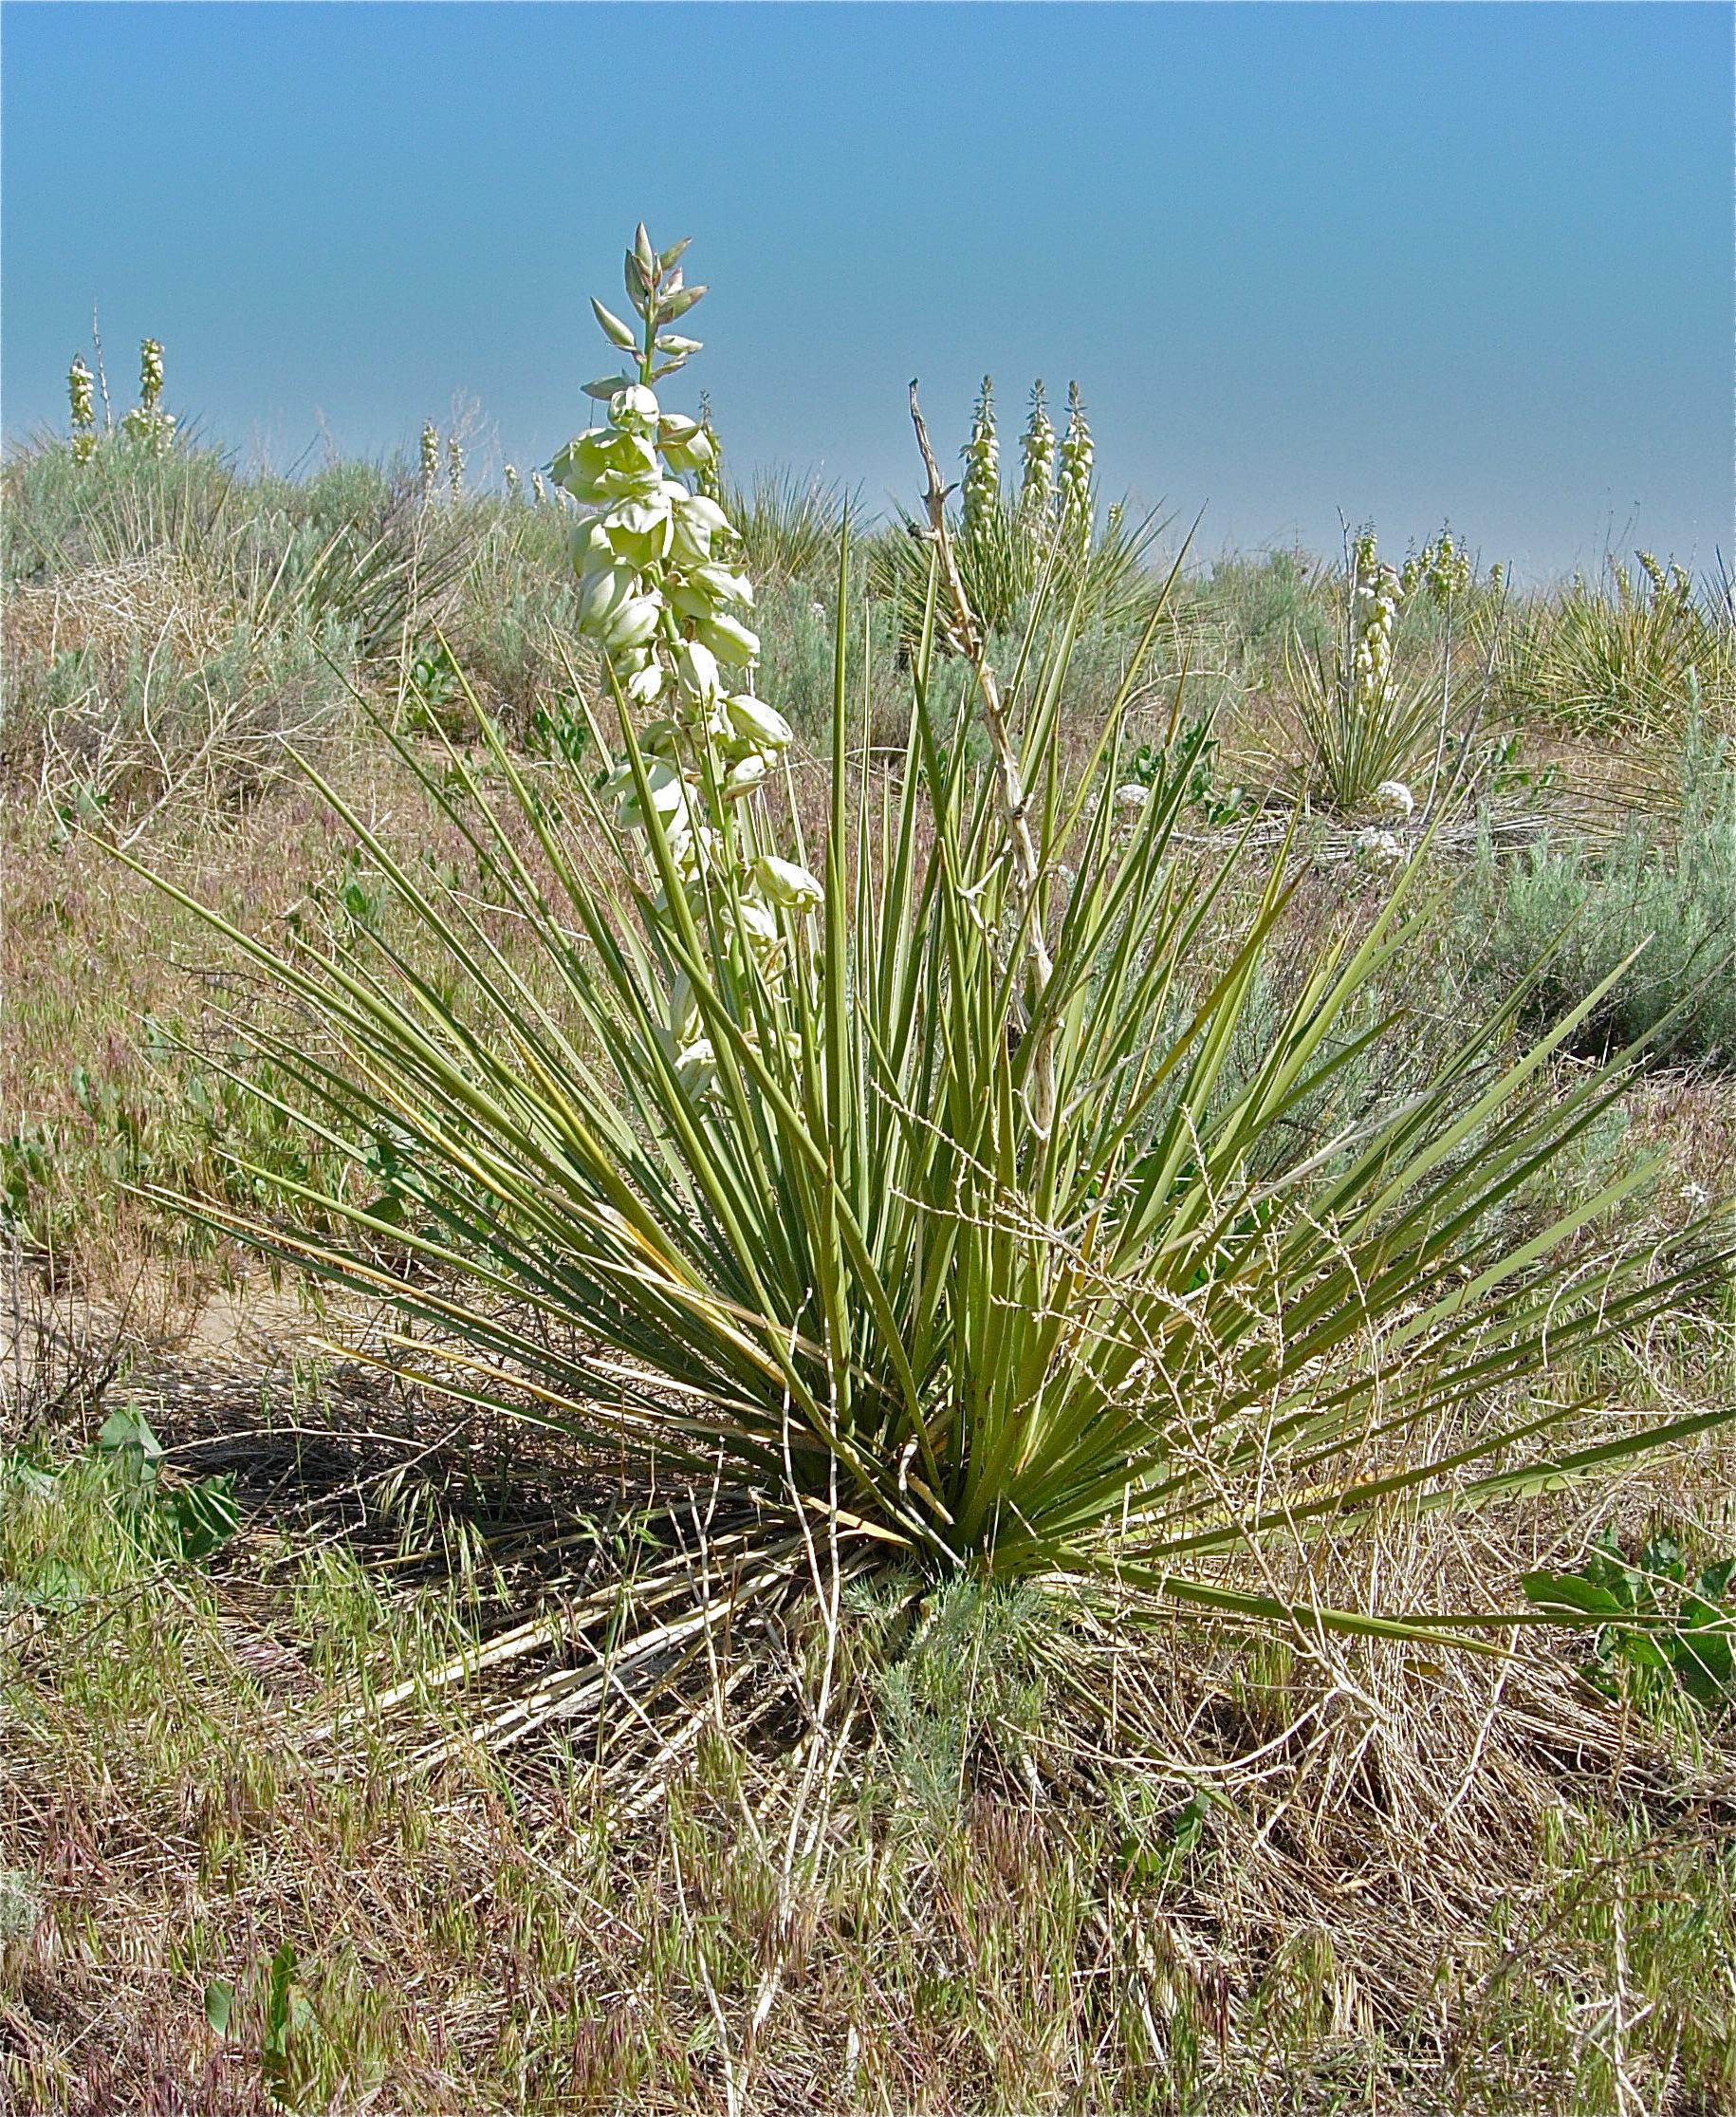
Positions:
(1014, 798)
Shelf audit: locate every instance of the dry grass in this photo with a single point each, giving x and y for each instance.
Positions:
(1038, 1862)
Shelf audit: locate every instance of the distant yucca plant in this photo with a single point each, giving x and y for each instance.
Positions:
(1363, 726)
(964, 1239)
(1007, 549)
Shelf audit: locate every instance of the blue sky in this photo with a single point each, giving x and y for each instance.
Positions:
(1402, 262)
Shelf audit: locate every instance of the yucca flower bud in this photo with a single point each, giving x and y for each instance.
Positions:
(696, 1066)
(588, 546)
(754, 721)
(781, 882)
(602, 594)
(720, 586)
(684, 1019)
(729, 639)
(667, 788)
(697, 520)
(697, 671)
(633, 623)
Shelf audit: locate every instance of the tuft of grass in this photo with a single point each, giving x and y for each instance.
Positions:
(1598, 661)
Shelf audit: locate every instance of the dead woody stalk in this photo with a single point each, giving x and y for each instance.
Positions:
(1014, 805)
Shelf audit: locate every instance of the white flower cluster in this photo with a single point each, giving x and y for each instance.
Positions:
(657, 594)
(1375, 593)
(982, 463)
(1076, 460)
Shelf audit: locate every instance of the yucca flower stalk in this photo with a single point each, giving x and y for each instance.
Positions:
(454, 469)
(1037, 444)
(431, 461)
(655, 594)
(1444, 571)
(78, 393)
(982, 455)
(1076, 461)
(148, 422)
(982, 1238)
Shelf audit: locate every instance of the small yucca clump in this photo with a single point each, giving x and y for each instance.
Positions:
(1361, 729)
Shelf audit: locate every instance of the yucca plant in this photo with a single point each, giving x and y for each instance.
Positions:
(917, 1198)
(1363, 726)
